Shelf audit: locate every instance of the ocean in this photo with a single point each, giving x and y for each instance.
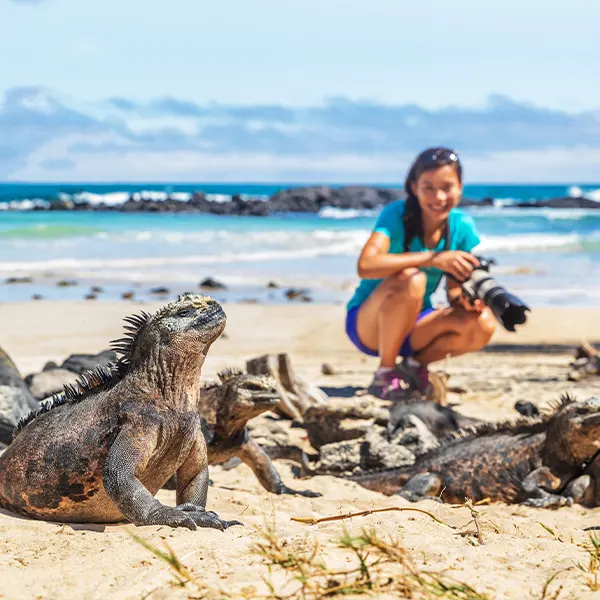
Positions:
(548, 257)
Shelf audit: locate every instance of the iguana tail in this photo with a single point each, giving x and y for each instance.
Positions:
(385, 481)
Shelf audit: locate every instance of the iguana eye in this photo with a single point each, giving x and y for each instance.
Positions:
(253, 387)
(185, 312)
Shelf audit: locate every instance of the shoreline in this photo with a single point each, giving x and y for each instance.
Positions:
(273, 290)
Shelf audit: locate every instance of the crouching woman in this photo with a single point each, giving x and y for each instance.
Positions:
(414, 243)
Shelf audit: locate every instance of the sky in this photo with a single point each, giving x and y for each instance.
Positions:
(290, 90)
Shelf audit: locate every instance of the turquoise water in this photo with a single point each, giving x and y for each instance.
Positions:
(120, 191)
(548, 256)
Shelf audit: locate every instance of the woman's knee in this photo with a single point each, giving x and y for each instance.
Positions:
(483, 327)
(410, 282)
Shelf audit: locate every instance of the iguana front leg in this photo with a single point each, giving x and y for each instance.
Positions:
(260, 463)
(128, 455)
(192, 488)
(536, 485)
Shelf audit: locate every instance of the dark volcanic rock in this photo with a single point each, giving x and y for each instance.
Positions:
(44, 384)
(16, 401)
(313, 199)
(78, 363)
(298, 294)
(160, 291)
(467, 202)
(212, 284)
(309, 199)
(567, 202)
(61, 204)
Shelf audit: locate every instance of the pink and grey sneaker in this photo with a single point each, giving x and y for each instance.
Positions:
(418, 376)
(389, 384)
(400, 382)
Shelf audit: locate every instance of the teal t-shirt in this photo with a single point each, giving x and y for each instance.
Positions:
(463, 236)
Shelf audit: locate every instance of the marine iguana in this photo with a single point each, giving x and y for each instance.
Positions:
(100, 451)
(540, 463)
(226, 408)
(16, 401)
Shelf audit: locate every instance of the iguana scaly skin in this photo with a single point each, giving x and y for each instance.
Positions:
(99, 452)
(541, 463)
(234, 401)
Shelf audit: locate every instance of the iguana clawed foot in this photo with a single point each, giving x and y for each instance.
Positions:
(170, 516)
(187, 515)
(204, 518)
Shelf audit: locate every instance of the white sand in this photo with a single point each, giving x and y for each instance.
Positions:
(50, 561)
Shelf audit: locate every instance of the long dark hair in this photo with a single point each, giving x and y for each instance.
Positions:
(429, 159)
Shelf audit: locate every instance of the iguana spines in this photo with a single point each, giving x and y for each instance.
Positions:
(105, 377)
(100, 378)
(529, 425)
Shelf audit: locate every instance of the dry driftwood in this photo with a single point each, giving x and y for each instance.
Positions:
(586, 363)
(297, 395)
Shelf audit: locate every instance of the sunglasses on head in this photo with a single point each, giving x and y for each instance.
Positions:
(436, 156)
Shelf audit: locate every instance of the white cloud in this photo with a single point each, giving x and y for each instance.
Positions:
(44, 136)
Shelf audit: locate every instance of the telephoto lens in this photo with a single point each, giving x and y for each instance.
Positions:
(507, 308)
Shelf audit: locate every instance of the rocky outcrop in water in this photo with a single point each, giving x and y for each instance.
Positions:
(294, 200)
(311, 199)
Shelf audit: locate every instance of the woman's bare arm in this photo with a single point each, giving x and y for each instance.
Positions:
(374, 261)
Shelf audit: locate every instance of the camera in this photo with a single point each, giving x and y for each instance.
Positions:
(507, 308)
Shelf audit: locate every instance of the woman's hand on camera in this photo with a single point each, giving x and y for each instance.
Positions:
(464, 301)
(469, 305)
(457, 263)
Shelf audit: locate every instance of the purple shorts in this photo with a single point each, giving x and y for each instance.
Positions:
(405, 349)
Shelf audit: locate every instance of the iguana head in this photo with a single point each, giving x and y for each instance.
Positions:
(575, 429)
(185, 327)
(239, 397)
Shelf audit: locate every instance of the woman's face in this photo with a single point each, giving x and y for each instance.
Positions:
(438, 191)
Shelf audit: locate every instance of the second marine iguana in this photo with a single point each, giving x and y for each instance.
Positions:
(99, 452)
(226, 408)
(541, 463)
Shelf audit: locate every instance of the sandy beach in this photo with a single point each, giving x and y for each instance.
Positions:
(522, 547)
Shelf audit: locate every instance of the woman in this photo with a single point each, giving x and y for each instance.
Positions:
(414, 243)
